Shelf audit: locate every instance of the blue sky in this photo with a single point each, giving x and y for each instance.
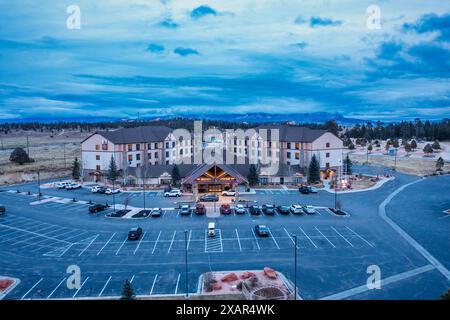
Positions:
(163, 57)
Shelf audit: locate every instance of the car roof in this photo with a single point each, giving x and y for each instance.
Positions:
(262, 226)
(185, 206)
(134, 229)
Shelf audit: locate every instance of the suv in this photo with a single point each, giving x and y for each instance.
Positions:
(225, 209)
(185, 210)
(98, 189)
(296, 209)
(2, 209)
(98, 208)
(110, 191)
(135, 233)
(200, 208)
(309, 210)
(240, 209)
(268, 209)
(229, 193)
(262, 230)
(209, 197)
(307, 189)
(72, 186)
(283, 209)
(255, 210)
(173, 193)
(62, 185)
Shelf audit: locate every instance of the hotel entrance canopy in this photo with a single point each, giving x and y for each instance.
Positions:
(214, 174)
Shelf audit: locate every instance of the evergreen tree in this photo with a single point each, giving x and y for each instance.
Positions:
(348, 165)
(413, 144)
(113, 174)
(253, 176)
(428, 149)
(76, 169)
(439, 164)
(436, 145)
(20, 156)
(351, 146)
(176, 177)
(314, 170)
(370, 148)
(128, 292)
(407, 147)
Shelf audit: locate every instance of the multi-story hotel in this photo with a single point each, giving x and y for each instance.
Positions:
(149, 154)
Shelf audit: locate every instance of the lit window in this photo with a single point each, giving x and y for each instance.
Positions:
(97, 157)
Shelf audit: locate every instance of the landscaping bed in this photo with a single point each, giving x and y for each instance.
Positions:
(118, 214)
(142, 214)
(339, 212)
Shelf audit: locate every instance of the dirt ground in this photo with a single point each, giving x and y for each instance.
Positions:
(53, 154)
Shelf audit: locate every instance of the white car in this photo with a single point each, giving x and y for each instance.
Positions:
(112, 191)
(72, 186)
(309, 210)
(296, 209)
(173, 193)
(62, 185)
(229, 193)
(240, 209)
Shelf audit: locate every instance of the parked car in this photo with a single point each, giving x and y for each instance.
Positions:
(110, 191)
(229, 193)
(262, 230)
(225, 208)
(156, 212)
(296, 209)
(173, 193)
(98, 189)
(255, 210)
(62, 185)
(211, 197)
(283, 209)
(309, 210)
(72, 186)
(200, 208)
(98, 208)
(2, 209)
(240, 209)
(307, 189)
(135, 233)
(211, 229)
(268, 209)
(185, 210)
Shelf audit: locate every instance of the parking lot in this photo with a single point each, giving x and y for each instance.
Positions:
(38, 240)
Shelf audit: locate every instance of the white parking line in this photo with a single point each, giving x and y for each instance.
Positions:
(132, 278)
(360, 237)
(293, 241)
(153, 285)
(34, 233)
(139, 244)
(31, 289)
(308, 237)
(171, 243)
(273, 238)
(189, 240)
(256, 240)
(342, 237)
(117, 252)
(239, 240)
(178, 281)
(87, 278)
(157, 239)
(221, 242)
(90, 243)
(106, 243)
(51, 293)
(325, 237)
(104, 287)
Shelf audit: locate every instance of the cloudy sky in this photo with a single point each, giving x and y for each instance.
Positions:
(167, 57)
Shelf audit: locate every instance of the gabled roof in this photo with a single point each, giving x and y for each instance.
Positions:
(201, 169)
(294, 134)
(135, 135)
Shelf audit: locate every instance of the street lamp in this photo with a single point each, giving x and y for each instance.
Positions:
(395, 159)
(39, 185)
(186, 262)
(143, 190)
(295, 266)
(114, 197)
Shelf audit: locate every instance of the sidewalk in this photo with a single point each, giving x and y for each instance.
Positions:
(326, 186)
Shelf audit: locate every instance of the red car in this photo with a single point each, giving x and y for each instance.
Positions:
(225, 209)
(200, 209)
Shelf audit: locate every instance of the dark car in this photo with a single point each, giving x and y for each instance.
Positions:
(262, 230)
(283, 209)
(2, 209)
(225, 208)
(304, 190)
(135, 233)
(98, 208)
(268, 209)
(200, 209)
(156, 212)
(255, 210)
(209, 197)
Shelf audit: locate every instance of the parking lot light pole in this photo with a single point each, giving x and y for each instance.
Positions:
(186, 262)
(395, 159)
(143, 190)
(39, 185)
(114, 197)
(295, 266)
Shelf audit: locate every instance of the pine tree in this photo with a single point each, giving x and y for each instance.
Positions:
(348, 165)
(176, 177)
(439, 164)
(407, 147)
(112, 170)
(253, 176)
(436, 145)
(128, 292)
(76, 169)
(428, 149)
(20, 156)
(314, 170)
(413, 144)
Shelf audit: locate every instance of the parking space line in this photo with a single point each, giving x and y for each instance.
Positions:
(157, 239)
(325, 237)
(189, 240)
(54, 290)
(104, 287)
(308, 237)
(132, 278)
(90, 243)
(153, 285)
(31, 232)
(104, 246)
(356, 234)
(221, 242)
(117, 252)
(178, 281)
(273, 238)
(171, 243)
(78, 290)
(239, 240)
(139, 244)
(256, 240)
(293, 241)
(31, 289)
(342, 237)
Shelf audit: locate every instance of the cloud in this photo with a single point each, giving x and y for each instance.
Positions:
(432, 23)
(202, 11)
(155, 48)
(301, 45)
(185, 51)
(169, 24)
(323, 22)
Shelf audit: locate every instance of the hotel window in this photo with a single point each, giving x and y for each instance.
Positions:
(181, 152)
(288, 145)
(138, 165)
(130, 157)
(138, 147)
(327, 155)
(297, 145)
(138, 157)
(328, 145)
(156, 155)
(149, 155)
(97, 147)
(297, 155)
(270, 144)
(149, 145)
(235, 149)
(167, 162)
(130, 147)
(167, 154)
(167, 145)
(156, 162)
(97, 157)
(97, 167)
(327, 165)
(173, 144)
(288, 155)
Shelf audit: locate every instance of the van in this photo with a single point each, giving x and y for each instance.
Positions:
(211, 229)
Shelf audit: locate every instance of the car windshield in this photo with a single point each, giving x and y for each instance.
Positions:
(133, 229)
(184, 207)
